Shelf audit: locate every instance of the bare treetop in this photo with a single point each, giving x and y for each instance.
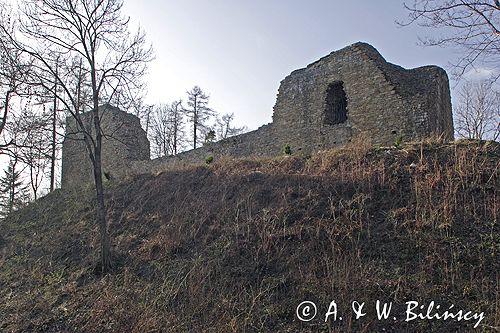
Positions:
(92, 33)
(472, 26)
(14, 69)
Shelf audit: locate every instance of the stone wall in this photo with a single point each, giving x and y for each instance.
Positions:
(257, 143)
(124, 141)
(350, 92)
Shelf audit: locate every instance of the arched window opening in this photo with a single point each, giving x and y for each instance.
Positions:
(336, 104)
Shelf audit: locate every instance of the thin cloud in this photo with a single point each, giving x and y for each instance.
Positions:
(481, 73)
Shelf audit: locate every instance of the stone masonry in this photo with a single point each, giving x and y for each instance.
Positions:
(124, 141)
(350, 92)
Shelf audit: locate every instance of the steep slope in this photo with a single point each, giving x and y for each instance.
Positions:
(237, 245)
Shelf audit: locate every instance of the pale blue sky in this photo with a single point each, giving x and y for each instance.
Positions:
(239, 51)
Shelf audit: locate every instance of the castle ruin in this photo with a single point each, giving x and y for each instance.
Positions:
(350, 92)
(124, 141)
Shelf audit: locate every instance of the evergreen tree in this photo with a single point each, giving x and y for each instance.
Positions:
(13, 192)
(198, 113)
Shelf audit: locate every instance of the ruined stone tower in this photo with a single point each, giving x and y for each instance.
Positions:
(124, 141)
(355, 91)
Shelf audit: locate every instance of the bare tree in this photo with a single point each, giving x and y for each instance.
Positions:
(472, 26)
(159, 132)
(53, 117)
(89, 40)
(167, 128)
(54, 121)
(14, 68)
(198, 113)
(143, 111)
(177, 125)
(477, 115)
(225, 129)
(33, 138)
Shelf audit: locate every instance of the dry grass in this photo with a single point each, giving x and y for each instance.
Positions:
(235, 246)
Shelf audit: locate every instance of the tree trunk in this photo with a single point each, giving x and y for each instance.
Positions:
(101, 214)
(194, 131)
(175, 137)
(12, 194)
(54, 138)
(195, 121)
(101, 209)
(96, 159)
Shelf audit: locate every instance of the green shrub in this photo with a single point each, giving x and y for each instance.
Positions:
(287, 150)
(209, 159)
(398, 143)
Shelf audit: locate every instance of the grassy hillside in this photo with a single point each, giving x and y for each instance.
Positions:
(237, 245)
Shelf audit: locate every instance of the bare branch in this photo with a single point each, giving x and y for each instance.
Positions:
(471, 26)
